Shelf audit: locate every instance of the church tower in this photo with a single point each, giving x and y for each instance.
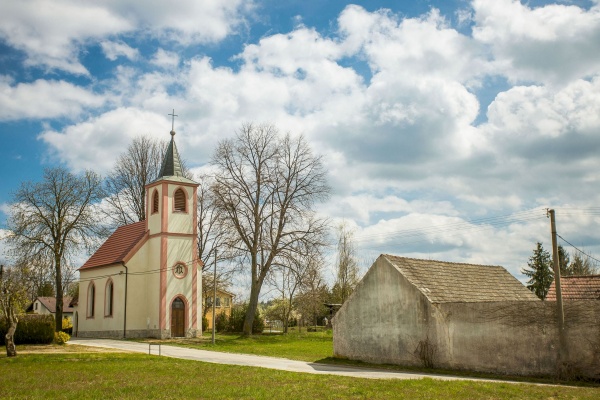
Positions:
(172, 235)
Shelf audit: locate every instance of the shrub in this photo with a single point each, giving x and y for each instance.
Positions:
(61, 338)
(236, 319)
(67, 325)
(204, 323)
(221, 322)
(31, 329)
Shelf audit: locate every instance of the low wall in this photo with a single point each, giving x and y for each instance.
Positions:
(518, 337)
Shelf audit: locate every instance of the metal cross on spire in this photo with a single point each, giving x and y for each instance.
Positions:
(173, 120)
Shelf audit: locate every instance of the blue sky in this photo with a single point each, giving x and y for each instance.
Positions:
(436, 119)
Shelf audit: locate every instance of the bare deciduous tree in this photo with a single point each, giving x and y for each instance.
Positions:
(125, 185)
(287, 279)
(55, 218)
(265, 188)
(215, 243)
(347, 265)
(14, 285)
(313, 294)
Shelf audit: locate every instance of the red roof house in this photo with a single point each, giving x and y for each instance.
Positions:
(583, 287)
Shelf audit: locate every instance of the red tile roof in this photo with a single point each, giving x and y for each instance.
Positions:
(117, 246)
(577, 288)
(50, 304)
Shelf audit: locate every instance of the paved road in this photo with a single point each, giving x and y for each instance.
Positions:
(261, 361)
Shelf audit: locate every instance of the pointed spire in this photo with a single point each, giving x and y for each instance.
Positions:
(171, 165)
(171, 168)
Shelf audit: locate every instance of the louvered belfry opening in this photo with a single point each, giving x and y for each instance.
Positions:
(155, 202)
(180, 200)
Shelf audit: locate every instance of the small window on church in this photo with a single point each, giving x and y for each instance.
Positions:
(180, 270)
(155, 202)
(180, 203)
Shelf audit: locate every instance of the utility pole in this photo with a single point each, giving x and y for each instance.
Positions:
(562, 350)
(214, 302)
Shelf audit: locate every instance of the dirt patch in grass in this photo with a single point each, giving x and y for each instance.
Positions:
(59, 349)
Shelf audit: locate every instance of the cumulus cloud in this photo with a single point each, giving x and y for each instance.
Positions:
(51, 35)
(165, 59)
(552, 43)
(95, 143)
(44, 99)
(113, 50)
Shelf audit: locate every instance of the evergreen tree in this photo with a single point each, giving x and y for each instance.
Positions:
(564, 261)
(539, 272)
(582, 265)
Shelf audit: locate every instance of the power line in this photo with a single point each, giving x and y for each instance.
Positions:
(579, 250)
(483, 223)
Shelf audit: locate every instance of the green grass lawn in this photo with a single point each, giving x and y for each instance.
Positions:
(137, 376)
(304, 346)
(316, 347)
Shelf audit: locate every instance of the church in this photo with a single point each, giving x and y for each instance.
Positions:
(144, 281)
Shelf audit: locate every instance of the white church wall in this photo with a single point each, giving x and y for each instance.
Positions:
(101, 324)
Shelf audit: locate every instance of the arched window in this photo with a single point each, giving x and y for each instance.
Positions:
(155, 202)
(180, 203)
(109, 299)
(91, 300)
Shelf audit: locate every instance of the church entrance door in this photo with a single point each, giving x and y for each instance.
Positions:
(178, 318)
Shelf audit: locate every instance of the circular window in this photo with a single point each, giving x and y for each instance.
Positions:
(180, 270)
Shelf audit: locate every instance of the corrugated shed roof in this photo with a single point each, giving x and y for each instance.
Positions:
(447, 282)
(585, 287)
(117, 246)
(50, 304)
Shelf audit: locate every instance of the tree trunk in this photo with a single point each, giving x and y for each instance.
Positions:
(9, 338)
(251, 311)
(59, 296)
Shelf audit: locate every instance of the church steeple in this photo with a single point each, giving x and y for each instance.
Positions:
(171, 165)
(171, 168)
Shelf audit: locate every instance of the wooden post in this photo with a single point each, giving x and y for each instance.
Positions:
(214, 302)
(562, 350)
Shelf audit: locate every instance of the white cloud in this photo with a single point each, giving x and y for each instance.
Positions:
(51, 34)
(44, 99)
(113, 50)
(165, 59)
(95, 144)
(551, 43)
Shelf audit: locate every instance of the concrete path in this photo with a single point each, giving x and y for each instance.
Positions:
(262, 361)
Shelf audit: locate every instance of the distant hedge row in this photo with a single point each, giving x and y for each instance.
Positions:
(31, 329)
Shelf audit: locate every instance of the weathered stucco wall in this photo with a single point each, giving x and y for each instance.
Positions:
(383, 319)
(387, 320)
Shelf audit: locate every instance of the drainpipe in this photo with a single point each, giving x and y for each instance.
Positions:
(125, 308)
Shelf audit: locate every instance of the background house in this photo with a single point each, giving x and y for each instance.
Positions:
(577, 288)
(460, 316)
(223, 304)
(47, 305)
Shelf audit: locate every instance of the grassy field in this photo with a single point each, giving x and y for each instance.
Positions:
(96, 375)
(316, 347)
(304, 346)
